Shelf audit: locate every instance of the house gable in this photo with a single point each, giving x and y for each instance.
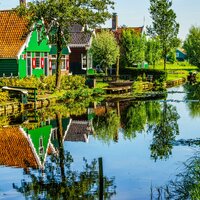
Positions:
(34, 49)
(40, 138)
(181, 54)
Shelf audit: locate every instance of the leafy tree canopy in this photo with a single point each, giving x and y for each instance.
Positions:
(164, 25)
(105, 49)
(153, 51)
(132, 48)
(192, 46)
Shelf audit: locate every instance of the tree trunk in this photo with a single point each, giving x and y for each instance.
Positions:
(117, 68)
(58, 60)
(154, 64)
(165, 62)
(61, 147)
(106, 71)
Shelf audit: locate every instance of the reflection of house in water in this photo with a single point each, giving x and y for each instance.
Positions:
(74, 129)
(79, 131)
(24, 148)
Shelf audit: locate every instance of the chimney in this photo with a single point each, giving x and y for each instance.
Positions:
(22, 2)
(114, 21)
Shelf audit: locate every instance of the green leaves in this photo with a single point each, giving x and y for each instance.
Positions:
(132, 47)
(104, 49)
(164, 25)
(192, 46)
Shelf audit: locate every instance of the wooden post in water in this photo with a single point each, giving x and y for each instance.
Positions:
(100, 161)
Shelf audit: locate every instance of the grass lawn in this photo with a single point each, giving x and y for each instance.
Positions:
(177, 70)
(101, 85)
(182, 66)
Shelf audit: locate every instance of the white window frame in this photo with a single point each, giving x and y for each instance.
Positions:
(29, 57)
(84, 59)
(38, 57)
(41, 146)
(63, 60)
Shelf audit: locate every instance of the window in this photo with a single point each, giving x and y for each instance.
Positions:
(37, 62)
(39, 35)
(84, 61)
(46, 54)
(28, 63)
(54, 135)
(28, 54)
(63, 62)
(41, 147)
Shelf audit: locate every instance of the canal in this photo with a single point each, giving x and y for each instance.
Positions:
(128, 150)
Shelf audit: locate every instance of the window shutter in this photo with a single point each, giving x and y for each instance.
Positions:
(67, 64)
(33, 63)
(42, 63)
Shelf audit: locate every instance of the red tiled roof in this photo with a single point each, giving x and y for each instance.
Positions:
(15, 149)
(12, 30)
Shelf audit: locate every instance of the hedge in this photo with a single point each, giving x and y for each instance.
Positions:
(158, 75)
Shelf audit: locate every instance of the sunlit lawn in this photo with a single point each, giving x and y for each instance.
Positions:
(177, 70)
(101, 85)
(176, 66)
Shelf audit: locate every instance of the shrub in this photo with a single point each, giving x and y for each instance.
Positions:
(48, 83)
(4, 97)
(72, 82)
(159, 75)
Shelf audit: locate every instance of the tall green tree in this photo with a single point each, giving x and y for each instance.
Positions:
(59, 15)
(192, 46)
(164, 26)
(105, 49)
(132, 48)
(153, 51)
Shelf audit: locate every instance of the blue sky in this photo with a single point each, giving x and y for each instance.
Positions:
(135, 13)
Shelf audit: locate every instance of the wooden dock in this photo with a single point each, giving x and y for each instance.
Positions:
(118, 90)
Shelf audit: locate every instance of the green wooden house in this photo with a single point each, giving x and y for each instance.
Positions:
(22, 54)
(181, 54)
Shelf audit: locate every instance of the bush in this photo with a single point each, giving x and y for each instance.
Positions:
(159, 75)
(48, 83)
(4, 97)
(72, 82)
(45, 83)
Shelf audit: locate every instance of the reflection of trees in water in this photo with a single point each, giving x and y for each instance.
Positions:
(134, 119)
(193, 93)
(164, 132)
(138, 114)
(153, 112)
(54, 183)
(159, 119)
(186, 184)
(58, 181)
(106, 126)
